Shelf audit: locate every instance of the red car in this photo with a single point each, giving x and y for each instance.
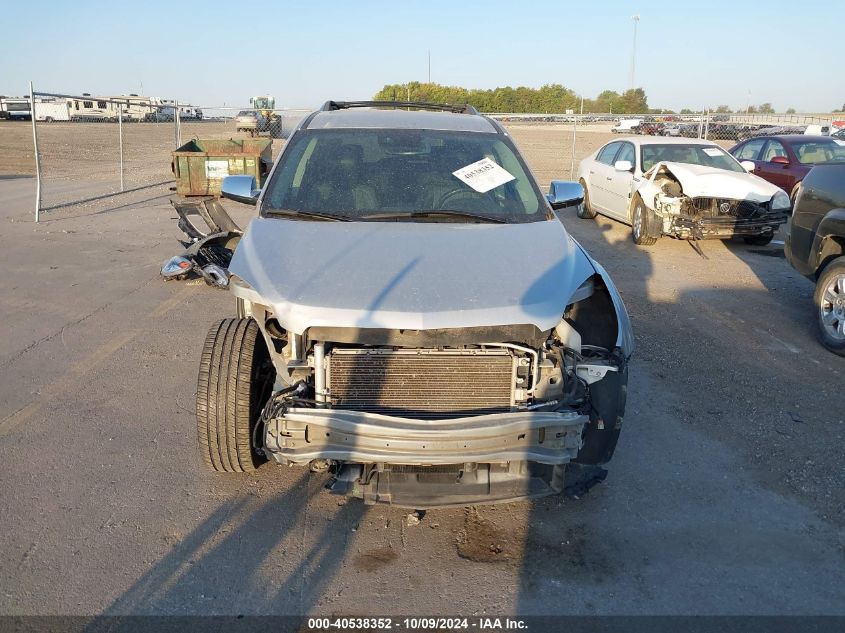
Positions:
(785, 159)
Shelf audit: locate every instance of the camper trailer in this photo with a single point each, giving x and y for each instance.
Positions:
(15, 108)
(90, 108)
(50, 110)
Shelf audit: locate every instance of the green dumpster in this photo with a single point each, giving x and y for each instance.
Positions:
(201, 165)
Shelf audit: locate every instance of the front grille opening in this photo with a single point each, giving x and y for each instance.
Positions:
(427, 384)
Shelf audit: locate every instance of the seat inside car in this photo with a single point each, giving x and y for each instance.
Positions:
(338, 181)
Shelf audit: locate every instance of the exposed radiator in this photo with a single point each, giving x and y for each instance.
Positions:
(422, 383)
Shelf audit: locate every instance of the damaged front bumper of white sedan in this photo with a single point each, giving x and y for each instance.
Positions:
(695, 202)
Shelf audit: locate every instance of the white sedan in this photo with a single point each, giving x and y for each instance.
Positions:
(686, 188)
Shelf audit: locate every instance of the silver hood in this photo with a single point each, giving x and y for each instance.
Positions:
(406, 275)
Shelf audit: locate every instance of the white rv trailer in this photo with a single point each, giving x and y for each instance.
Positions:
(15, 108)
(136, 107)
(90, 108)
(52, 110)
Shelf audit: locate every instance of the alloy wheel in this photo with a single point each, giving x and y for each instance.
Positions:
(832, 308)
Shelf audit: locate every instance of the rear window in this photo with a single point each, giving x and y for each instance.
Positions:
(246, 113)
(812, 152)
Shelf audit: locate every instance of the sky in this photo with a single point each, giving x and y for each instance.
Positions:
(206, 52)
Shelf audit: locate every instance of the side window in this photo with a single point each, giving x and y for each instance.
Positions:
(87, 104)
(606, 155)
(626, 153)
(101, 105)
(751, 150)
(774, 148)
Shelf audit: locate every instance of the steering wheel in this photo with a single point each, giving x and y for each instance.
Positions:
(454, 193)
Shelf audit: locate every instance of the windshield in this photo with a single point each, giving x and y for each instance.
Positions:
(360, 172)
(812, 152)
(707, 155)
(246, 113)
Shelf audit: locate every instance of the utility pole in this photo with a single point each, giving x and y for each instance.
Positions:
(636, 19)
(429, 65)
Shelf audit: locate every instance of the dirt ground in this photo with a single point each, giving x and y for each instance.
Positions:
(725, 496)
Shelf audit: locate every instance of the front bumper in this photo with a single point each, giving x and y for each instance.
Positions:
(301, 435)
(726, 226)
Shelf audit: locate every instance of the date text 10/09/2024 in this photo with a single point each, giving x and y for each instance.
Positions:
(417, 624)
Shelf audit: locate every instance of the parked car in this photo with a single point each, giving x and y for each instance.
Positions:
(753, 131)
(784, 160)
(392, 332)
(838, 135)
(671, 129)
(250, 121)
(689, 189)
(815, 247)
(626, 126)
(650, 128)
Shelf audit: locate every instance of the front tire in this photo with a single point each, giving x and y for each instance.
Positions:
(830, 306)
(236, 377)
(643, 223)
(585, 211)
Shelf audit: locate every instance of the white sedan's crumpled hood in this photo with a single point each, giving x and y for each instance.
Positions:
(407, 275)
(699, 181)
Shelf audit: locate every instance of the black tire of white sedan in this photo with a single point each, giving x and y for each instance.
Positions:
(236, 377)
(642, 223)
(585, 211)
(830, 306)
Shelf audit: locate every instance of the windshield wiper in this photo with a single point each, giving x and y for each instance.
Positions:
(315, 215)
(429, 213)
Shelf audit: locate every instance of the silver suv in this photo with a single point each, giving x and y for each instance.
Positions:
(413, 318)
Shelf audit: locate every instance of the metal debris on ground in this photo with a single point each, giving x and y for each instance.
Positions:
(208, 252)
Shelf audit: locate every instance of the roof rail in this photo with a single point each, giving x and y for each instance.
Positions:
(457, 108)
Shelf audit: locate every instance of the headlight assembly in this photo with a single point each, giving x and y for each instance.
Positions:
(781, 202)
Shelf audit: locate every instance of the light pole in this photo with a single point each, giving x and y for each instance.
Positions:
(636, 19)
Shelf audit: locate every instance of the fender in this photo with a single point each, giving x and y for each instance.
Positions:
(829, 241)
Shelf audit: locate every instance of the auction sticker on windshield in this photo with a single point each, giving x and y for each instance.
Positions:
(483, 175)
(715, 152)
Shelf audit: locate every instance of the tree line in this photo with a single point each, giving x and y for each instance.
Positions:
(551, 98)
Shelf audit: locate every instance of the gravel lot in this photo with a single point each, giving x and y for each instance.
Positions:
(724, 497)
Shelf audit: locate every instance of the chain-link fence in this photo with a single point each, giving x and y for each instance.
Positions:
(88, 147)
(557, 142)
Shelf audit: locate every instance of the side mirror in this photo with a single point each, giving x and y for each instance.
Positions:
(623, 165)
(748, 165)
(240, 189)
(779, 160)
(565, 193)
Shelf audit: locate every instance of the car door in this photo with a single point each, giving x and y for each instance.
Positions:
(774, 165)
(620, 183)
(601, 172)
(750, 150)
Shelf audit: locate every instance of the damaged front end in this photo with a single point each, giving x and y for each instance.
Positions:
(688, 213)
(208, 251)
(426, 418)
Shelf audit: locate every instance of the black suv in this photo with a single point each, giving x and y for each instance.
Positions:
(815, 247)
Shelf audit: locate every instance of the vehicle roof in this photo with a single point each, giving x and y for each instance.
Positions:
(663, 140)
(792, 138)
(400, 119)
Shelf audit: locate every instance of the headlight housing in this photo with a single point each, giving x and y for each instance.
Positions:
(781, 202)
